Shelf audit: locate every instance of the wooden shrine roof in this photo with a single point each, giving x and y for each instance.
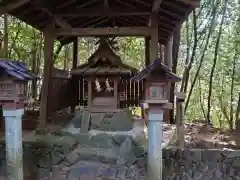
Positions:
(16, 70)
(104, 61)
(99, 13)
(157, 67)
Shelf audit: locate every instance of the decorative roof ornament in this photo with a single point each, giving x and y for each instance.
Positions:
(108, 86)
(97, 86)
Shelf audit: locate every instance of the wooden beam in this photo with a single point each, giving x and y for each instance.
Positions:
(173, 14)
(75, 54)
(109, 31)
(193, 3)
(156, 5)
(110, 12)
(12, 5)
(155, 9)
(74, 65)
(48, 63)
(106, 4)
(154, 38)
(70, 2)
(168, 53)
(147, 51)
(59, 21)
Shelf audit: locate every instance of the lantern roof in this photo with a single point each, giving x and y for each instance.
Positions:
(157, 69)
(16, 69)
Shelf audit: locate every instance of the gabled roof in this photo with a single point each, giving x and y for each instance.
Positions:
(115, 66)
(16, 69)
(161, 69)
(104, 50)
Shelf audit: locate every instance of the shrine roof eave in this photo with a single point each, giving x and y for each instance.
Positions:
(90, 14)
(17, 70)
(101, 71)
(158, 66)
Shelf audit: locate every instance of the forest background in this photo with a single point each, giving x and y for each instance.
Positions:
(208, 58)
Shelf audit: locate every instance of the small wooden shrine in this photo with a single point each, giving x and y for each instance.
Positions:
(103, 72)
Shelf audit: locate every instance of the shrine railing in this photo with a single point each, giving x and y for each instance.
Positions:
(129, 93)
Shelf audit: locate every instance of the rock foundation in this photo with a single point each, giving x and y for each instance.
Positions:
(194, 164)
(69, 161)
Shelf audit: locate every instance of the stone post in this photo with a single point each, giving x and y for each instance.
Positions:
(180, 96)
(155, 136)
(13, 139)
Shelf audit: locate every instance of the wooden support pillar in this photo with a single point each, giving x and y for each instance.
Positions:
(89, 93)
(147, 50)
(75, 53)
(168, 53)
(161, 48)
(74, 65)
(168, 63)
(115, 89)
(48, 63)
(154, 38)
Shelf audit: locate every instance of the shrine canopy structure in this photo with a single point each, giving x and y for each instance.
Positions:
(156, 20)
(105, 81)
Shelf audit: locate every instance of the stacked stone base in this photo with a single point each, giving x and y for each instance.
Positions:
(67, 159)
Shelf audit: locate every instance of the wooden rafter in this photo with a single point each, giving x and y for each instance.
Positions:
(143, 3)
(106, 4)
(156, 5)
(172, 14)
(110, 31)
(193, 3)
(58, 20)
(12, 5)
(111, 12)
(69, 2)
(94, 22)
(126, 4)
(173, 5)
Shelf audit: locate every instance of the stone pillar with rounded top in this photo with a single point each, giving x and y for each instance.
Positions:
(13, 139)
(155, 138)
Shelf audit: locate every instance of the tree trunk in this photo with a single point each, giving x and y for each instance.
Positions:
(214, 64)
(202, 56)
(175, 50)
(188, 65)
(232, 88)
(34, 65)
(238, 110)
(66, 59)
(5, 47)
